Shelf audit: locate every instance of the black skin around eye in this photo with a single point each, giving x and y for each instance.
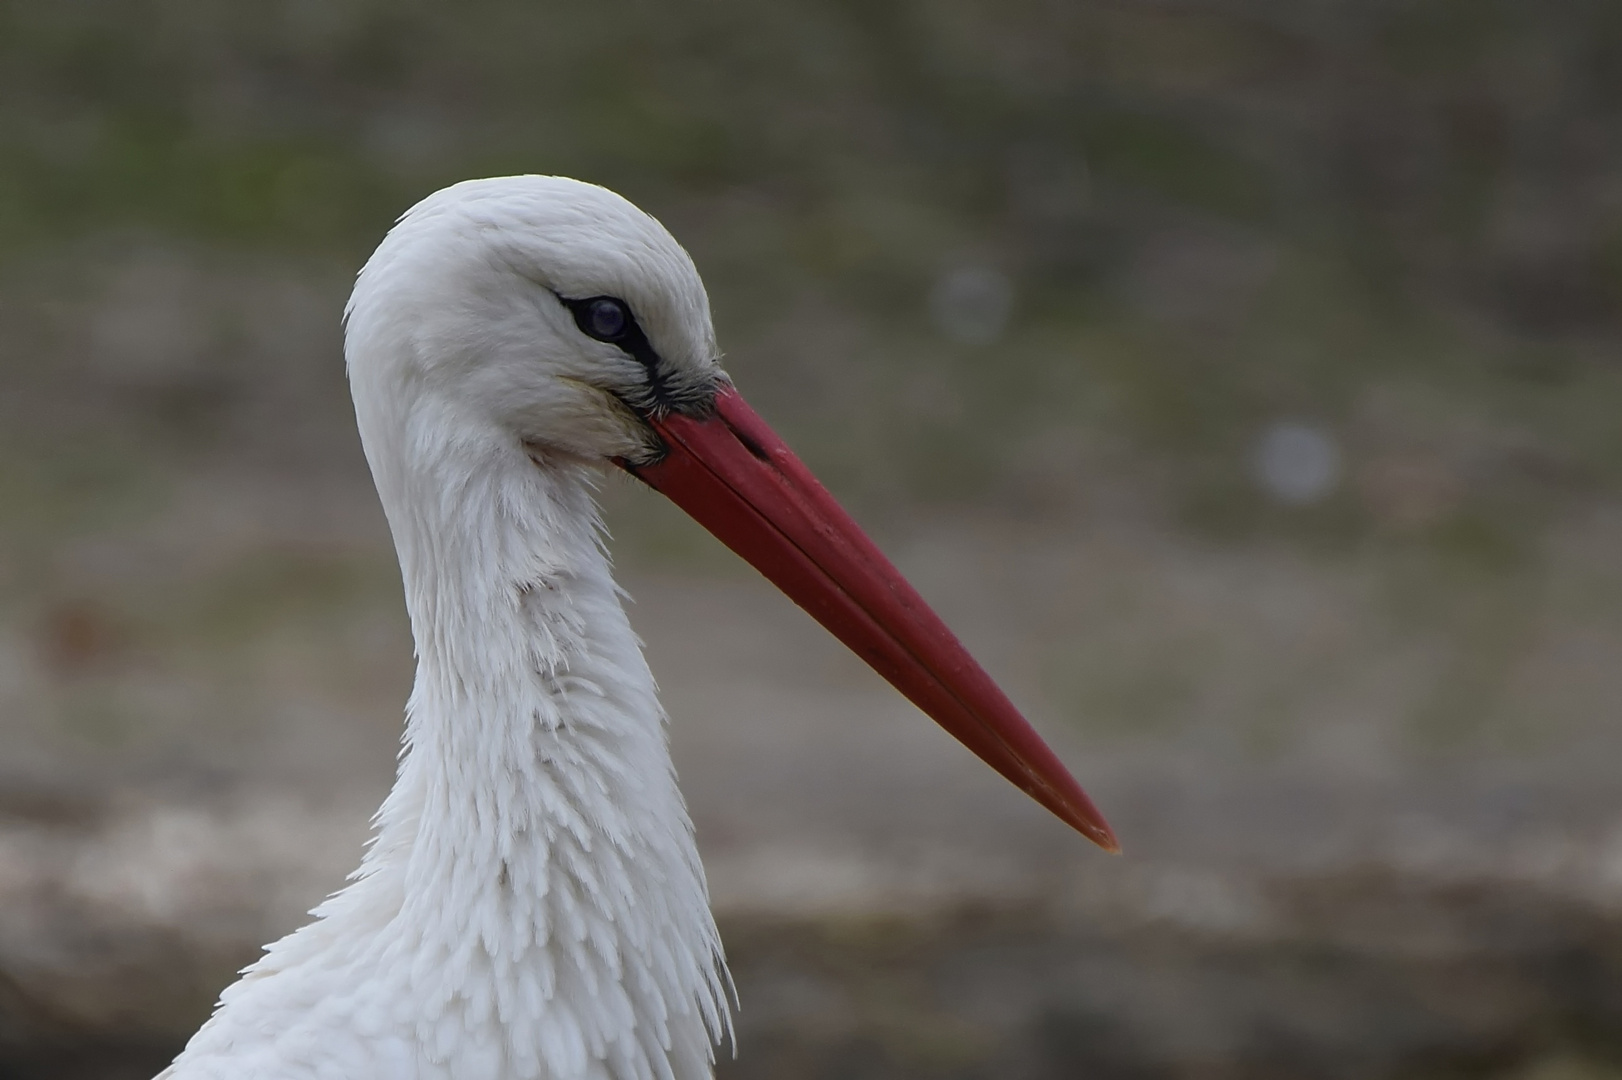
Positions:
(610, 319)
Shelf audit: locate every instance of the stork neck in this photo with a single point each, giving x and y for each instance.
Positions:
(498, 571)
(524, 655)
(535, 831)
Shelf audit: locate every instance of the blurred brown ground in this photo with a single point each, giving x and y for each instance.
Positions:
(1240, 379)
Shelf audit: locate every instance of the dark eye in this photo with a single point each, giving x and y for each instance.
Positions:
(609, 319)
(604, 318)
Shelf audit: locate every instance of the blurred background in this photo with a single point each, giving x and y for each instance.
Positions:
(1240, 377)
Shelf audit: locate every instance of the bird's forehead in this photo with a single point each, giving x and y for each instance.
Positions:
(580, 240)
(606, 248)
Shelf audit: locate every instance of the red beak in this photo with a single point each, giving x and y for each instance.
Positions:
(735, 477)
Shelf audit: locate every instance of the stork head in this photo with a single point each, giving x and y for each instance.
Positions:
(553, 309)
(562, 320)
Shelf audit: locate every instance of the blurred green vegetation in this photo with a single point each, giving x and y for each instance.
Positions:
(1398, 223)
(1326, 197)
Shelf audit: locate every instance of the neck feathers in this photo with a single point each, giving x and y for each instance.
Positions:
(532, 904)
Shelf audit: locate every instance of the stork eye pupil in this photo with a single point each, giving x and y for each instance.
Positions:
(606, 319)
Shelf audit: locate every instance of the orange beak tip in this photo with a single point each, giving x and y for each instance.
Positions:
(1092, 825)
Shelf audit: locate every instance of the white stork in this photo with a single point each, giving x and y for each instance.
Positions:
(532, 905)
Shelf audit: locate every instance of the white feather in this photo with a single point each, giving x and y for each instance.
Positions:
(532, 905)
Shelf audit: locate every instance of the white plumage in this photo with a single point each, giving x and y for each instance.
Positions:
(532, 905)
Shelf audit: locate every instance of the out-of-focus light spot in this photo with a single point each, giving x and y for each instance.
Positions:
(971, 305)
(1296, 463)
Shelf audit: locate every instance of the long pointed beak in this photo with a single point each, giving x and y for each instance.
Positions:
(734, 476)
